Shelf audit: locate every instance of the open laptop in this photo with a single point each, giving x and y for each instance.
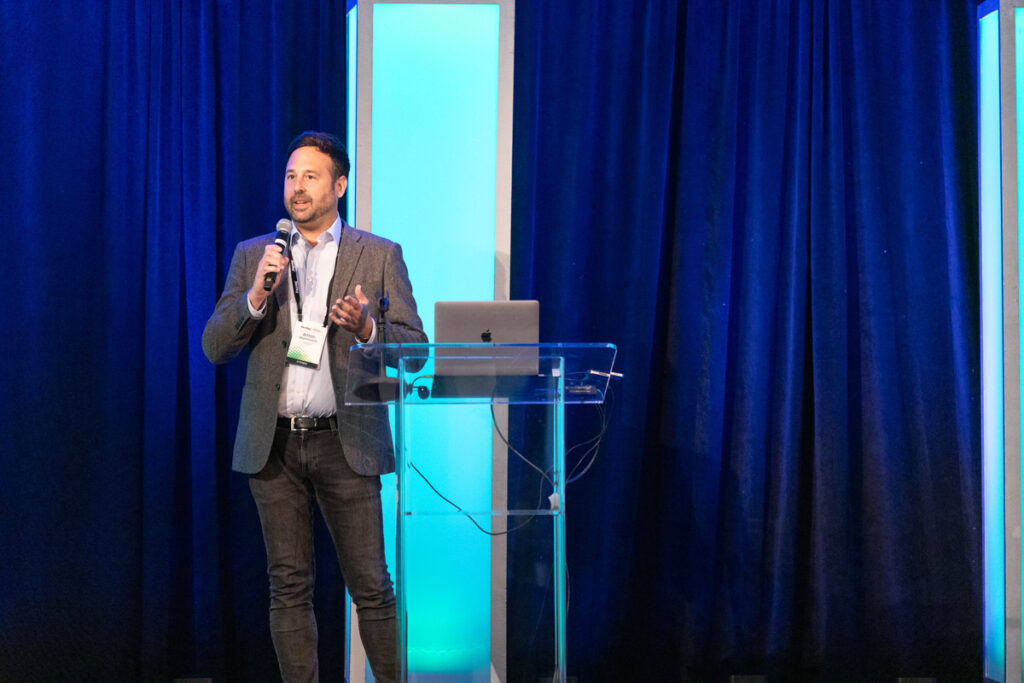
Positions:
(456, 372)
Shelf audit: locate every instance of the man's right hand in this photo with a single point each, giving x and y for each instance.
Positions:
(273, 261)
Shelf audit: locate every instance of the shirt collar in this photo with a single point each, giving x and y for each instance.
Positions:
(334, 231)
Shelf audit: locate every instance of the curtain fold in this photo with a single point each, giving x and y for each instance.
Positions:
(791, 481)
(141, 142)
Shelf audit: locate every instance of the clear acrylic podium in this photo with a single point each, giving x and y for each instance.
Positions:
(480, 572)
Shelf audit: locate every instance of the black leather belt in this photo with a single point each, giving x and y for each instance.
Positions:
(307, 424)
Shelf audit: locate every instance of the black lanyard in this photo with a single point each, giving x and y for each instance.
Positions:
(295, 279)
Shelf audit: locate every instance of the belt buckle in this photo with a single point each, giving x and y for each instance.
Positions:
(297, 421)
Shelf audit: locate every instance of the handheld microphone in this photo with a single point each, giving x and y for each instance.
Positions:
(284, 228)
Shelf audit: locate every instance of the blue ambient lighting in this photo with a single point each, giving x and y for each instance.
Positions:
(992, 344)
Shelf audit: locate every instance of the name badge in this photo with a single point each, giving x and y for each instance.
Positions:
(307, 345)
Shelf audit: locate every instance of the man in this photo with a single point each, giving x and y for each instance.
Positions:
(296, 437)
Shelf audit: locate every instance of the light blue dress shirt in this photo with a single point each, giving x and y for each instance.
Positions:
(306, 391)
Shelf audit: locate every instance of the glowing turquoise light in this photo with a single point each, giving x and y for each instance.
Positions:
(351, 24)
(992, 343)
(434, 160)
(435, 102)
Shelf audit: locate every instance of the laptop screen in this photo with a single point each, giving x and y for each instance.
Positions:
(483, 322)
(487, 322)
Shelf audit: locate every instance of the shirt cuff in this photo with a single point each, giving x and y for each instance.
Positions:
(373, 334)
(256, 314)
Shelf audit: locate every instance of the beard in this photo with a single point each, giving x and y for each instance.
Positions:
(311, 212)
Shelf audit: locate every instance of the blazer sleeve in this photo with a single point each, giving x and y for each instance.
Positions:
(230, 326)
(403, 325)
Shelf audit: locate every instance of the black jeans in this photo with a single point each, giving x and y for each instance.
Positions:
(308, 467)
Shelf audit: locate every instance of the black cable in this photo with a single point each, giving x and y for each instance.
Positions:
(591, 453)
(596, 441)
(440, 495)
(494, 421)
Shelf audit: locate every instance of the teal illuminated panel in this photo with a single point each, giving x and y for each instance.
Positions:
(992, 345)
(351, 31)
(435, 99)
(434, 149)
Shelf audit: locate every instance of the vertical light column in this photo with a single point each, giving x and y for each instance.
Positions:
(355, 656)
(992, 345)
(354, 651)
(351, 55)
(1011, 130)
(1001, 95)
(432, 171)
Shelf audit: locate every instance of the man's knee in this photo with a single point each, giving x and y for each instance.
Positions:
(290, 589)
(376, 606)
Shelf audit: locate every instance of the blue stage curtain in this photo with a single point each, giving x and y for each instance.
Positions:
(768, 206)
(140, 141)
(771, 208)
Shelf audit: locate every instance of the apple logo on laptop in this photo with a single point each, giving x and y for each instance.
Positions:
(485, 336)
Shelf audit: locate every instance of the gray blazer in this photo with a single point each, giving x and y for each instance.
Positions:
(364, 431)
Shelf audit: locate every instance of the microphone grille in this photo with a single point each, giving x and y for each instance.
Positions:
(284, 225)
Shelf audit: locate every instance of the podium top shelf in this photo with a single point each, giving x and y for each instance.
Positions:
(479, 373)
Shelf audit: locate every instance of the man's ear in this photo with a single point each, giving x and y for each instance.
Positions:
(340, 185)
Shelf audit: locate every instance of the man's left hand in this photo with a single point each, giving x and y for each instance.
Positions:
(353, 313)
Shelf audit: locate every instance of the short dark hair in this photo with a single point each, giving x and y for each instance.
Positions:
(330, 145)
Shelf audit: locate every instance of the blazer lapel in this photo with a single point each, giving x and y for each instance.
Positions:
(348, 257)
